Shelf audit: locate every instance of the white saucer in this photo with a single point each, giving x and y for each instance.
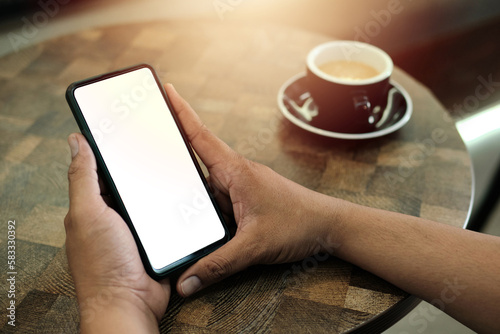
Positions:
(297, 84)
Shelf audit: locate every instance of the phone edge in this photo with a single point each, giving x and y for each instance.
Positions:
(182, 263)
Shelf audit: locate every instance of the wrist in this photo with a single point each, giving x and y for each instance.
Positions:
(331, 219)
(114, 310)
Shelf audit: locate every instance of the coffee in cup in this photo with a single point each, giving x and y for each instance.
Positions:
(349, 83)
(349, 70)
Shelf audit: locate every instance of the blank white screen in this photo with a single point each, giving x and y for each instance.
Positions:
(150, 166)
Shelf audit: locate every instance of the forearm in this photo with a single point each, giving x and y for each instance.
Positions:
(115, 312)
(455, 269)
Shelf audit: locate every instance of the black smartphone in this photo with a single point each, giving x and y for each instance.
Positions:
(149, 167)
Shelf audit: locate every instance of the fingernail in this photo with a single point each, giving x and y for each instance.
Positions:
(172, 86)
(73, 145)
(190, 285)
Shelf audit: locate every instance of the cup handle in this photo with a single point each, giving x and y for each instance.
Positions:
(362, 104)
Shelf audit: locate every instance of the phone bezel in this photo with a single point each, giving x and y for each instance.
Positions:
(107, 178)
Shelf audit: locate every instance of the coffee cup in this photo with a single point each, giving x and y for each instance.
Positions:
(349, 83)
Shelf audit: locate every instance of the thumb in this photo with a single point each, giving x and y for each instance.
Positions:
(82, 172)
(222, 263)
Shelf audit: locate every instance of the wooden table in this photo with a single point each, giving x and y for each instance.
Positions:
(231, 74)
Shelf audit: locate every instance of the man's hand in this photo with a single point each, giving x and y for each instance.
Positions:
(277, 220)
(280, 221)
(114, 292)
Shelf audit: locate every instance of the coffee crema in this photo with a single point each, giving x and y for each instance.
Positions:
(348, 70)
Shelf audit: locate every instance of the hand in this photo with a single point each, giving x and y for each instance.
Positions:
(277, 220)
(114, 292)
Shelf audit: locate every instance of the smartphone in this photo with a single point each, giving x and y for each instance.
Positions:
(149, 167)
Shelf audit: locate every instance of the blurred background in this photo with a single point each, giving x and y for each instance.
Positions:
(451, 46)
(446, 44)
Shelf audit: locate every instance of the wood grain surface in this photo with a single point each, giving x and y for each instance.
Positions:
(230, 73)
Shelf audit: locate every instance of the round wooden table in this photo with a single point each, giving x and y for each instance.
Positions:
(231, 74)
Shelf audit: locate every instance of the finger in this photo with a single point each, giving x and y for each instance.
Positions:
(222, 263)
(82, 172)
(165, 285)
(207, 145)
(102, 185)
(105, 193)
(109, 201)
(221, 197)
